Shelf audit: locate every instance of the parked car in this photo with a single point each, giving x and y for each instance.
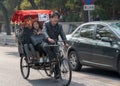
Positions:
(95, 44)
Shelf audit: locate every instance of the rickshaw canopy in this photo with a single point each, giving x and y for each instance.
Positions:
(21, 15)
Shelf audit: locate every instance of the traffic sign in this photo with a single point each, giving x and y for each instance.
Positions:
(89, 7)
(88, 2)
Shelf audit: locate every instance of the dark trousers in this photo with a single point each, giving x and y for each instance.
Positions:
(52, 54)
(27, 49)
(39, 48)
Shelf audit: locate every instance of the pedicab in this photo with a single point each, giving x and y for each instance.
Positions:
(26, 63)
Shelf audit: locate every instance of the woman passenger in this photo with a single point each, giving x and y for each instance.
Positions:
(37, 30)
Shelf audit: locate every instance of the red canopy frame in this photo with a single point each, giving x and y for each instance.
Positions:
(21, 15)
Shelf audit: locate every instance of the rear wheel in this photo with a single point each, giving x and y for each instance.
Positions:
(66, 72)
(25, 68)
(74, 61)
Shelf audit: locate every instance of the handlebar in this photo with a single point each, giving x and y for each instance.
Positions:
(56, 44)
(52, 45)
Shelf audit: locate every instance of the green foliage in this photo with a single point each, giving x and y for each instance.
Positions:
(70, 9)
(10, 5)
(75, 17)
(26, 5)
(110, 8)
(73, 4)
(101, 12)
(37, 2)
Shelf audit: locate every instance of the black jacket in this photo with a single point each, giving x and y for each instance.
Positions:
(25, 36)
(54, 31)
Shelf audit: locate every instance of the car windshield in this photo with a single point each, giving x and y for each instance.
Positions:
(116, 27)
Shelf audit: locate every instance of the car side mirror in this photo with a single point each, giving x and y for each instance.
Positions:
(106, 39)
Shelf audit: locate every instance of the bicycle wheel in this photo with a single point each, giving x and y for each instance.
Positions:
(66, 72)
(24, 67)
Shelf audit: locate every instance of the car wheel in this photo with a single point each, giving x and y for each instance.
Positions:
(74, 62)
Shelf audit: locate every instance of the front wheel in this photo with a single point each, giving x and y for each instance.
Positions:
(24, 67)
(74, 61)
(66, 72)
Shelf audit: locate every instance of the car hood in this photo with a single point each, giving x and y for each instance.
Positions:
(68, 36)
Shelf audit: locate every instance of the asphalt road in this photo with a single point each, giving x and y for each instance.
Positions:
(10, 74)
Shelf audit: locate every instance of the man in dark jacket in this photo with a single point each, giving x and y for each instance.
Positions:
(52, 29)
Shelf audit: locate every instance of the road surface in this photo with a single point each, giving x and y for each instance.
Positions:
(10, 74)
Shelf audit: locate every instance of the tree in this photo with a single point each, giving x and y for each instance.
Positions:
(110, 7)
(7, 7)
(29, 4)
(33, 4)
(5, 13)
(72, 10)
(19, 4)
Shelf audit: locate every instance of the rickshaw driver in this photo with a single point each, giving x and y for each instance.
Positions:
(52, 29)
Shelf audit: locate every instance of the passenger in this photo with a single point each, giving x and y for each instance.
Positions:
(26, 41)
(37, 30)
(26, 34)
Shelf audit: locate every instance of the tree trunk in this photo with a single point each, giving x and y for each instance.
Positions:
(5, 14)
(113, 13)
(33, 4)
(19, 3)
(85, 16)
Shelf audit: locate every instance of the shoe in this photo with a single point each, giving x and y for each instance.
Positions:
(41, 60)
(48, 60)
